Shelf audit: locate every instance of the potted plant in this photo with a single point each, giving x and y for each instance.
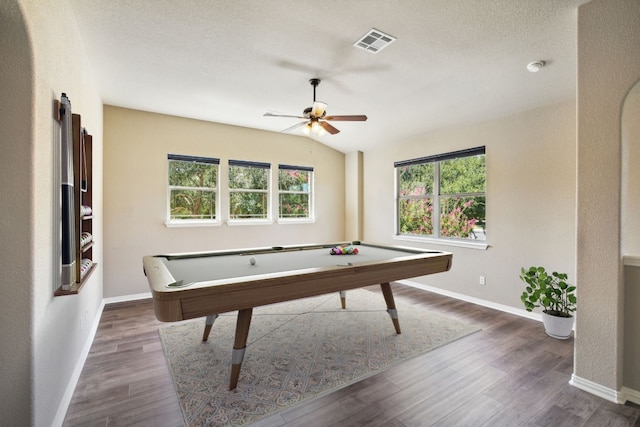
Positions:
(554, 295)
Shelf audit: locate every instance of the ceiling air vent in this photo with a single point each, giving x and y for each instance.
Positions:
(374, 41)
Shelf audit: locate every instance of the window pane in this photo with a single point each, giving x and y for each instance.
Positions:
(245, 205)
(416, 216)
(462, 217)
(191, 174)
(248, 178)
(294, 205)
(454, 185)
(193, 204)
(416, 180)
(293, 180)
(463, 175)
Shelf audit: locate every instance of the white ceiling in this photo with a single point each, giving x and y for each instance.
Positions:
(230, 61)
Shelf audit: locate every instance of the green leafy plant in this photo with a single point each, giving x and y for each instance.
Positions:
(550, 291)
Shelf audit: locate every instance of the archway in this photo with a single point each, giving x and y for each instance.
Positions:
(630, 239)
(16, 215)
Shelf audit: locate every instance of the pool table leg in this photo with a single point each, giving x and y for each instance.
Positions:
(343, 299)
(239, 345)
(208, 323)
(391, 305)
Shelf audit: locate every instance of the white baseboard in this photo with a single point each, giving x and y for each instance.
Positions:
(597, 389)
(75, 375)
(477, 301)
(631, 395)
(125, 298)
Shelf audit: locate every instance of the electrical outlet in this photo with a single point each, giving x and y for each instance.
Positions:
(482, 280)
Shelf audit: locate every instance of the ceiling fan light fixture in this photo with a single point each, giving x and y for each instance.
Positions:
(318, 109)
(315, 127)
(317, 121)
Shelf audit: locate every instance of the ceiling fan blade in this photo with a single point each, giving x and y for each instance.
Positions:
(332, 130)
(269, 114)
(296, 126)
(355, 118)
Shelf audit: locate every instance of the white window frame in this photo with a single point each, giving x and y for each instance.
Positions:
(436, 196)
(310, 218)
(267, 192)
(172, 222)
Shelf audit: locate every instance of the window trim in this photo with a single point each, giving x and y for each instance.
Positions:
(250, 164)
(469, 152)
(460, 243)
(195, 159)
(435, 197)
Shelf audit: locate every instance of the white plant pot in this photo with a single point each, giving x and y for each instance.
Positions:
(557, 327)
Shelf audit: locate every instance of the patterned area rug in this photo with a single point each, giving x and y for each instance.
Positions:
(296, 350)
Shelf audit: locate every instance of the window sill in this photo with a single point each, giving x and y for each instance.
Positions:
(445, 242)
(296, 221)
(235, 222)
(192, 223)
(631, 260)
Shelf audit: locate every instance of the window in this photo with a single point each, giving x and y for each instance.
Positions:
(294, 191)
(193, 188)
(248, 190)
(453, 185)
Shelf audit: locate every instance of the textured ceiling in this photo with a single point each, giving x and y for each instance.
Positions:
(230, 61)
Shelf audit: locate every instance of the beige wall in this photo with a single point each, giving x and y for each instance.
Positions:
(16, 92)
(135, 190)
(630, 236)
(62, 324)
(44, 58)
(530, 200)
(608, 66)
(353, 195)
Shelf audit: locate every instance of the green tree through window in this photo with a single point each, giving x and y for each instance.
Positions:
(294, 191)
(248, 190)
(193, 186)
(451, 184)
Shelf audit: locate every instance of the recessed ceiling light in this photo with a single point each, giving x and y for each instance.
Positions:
(535, 66)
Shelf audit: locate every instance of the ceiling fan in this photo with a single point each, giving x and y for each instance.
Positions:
(316, 119)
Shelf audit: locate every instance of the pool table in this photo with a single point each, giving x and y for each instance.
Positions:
(205, 284)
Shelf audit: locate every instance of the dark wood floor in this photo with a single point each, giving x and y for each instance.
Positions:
(508, 374)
